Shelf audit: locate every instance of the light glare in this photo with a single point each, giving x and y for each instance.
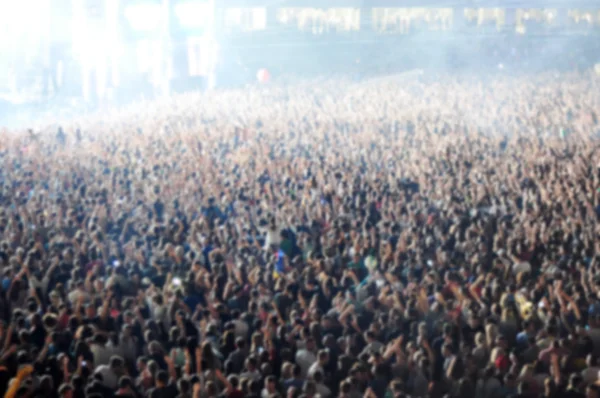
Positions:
(144, 17)
(193, 14)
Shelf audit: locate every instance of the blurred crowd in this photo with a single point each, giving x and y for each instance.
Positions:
(423, 238)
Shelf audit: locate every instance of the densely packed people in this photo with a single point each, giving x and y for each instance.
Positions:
(402, 238)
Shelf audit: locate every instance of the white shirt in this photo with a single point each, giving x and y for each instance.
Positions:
(265, 393)
(314, 368)
(590, 375)
(76, 294)
(305, 359)
(101, 354)
(251, 375)
(273, 238)
(323, 391)
(159, 313)
(241, 328)
(109, 377)
(521, 267)
(374, 346)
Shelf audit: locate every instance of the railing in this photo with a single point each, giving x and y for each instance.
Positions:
(407, 20)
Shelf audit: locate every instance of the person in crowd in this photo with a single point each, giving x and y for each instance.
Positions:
(430, 238)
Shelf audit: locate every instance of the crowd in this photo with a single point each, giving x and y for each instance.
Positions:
(436, 237)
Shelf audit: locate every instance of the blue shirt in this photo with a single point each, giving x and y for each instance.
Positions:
(280, 266)
(594, 309)
(297, 383)
(192, 301)
(523, 339)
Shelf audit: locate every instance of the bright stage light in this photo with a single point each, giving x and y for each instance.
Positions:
(193, 14)
(144, 17)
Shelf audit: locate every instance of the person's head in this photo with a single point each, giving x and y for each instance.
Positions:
(117, 364)
(240, 343)
(180, 316)
(208, 355)
(46, 383)
(90, 311)
(65, 391)
(465, 388)
(153, 368)
(529, 327)
(345, 387)
(184, 386)
(270, 384)
(154, 347)
(310, 344)
(447, 331)
(292, 392)
(211, 389)
(234, 381)
(502, 342)
(228, 339)
(397, 387)
(376, 358)
(251, 364)
(310, 388)
(162, 378)
(575, 381)
(491, 332)
(125, 383)
(287, 370)
(447, 350)
(480, 339)
(24, 336)
(266, 368)
(474, 321)
(323, 357)
(257, 340)
(141, 364)
(254, 386)
(78, 383)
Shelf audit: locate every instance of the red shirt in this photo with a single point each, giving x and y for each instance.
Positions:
(235, 394)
